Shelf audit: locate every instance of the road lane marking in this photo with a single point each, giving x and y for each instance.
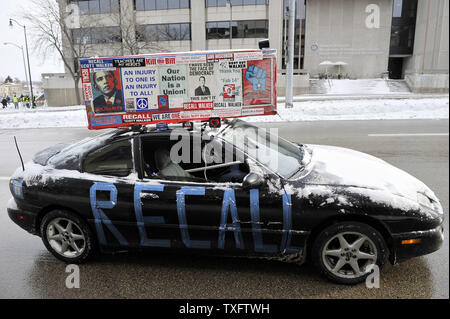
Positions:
(408, 134)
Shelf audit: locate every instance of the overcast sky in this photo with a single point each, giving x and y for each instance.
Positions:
(11, 62)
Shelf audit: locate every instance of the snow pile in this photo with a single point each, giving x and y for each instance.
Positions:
(428, 108)
(45, 108)
(362, 86)
(43, 118)
(432, 108)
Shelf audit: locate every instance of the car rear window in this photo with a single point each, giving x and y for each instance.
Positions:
(69, 157)
(113, 160)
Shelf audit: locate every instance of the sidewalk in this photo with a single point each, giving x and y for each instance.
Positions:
(11, 110)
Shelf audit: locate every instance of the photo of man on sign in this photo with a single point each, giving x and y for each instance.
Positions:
(202, 89)
(108, 97)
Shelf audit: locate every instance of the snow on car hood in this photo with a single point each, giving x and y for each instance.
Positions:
(336, 166)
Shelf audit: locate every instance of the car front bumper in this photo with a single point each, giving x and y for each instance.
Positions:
(23, 218)
(429, 241)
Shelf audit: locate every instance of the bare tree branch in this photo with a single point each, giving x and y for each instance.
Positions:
(51, 32)
(65, 33)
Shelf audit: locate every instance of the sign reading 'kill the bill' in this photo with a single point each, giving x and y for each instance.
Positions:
(178, 87)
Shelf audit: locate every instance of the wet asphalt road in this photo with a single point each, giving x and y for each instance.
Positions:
(27, 270)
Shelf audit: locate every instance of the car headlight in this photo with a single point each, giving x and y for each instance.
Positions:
(425, 201)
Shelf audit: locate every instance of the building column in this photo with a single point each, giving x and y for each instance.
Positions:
(198, 25)
(427, 70)
(128, 23)
(275, 16)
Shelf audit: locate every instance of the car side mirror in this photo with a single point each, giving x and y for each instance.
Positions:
(252, 180)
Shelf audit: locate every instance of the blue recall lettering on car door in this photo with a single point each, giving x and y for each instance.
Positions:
(141, 221)
(256, 227)
(99, 216)
(229, 204)
(287, 226)
(181, 210)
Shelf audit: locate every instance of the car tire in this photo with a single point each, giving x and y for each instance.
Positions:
(67, 236)
(351, 260)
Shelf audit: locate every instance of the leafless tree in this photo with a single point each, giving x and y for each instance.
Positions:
(52, 30)
(64, 32)
(134, 41)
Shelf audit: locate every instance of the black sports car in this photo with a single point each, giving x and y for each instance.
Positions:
(237, 190)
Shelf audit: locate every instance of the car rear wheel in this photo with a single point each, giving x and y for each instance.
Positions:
(347, 252)
(67, 236)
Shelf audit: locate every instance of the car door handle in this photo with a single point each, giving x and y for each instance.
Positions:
(149, 196)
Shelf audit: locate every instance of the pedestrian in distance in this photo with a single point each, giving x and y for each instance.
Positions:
(16, 102)
(4, 102)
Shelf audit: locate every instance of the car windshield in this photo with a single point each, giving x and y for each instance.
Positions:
(276, 153)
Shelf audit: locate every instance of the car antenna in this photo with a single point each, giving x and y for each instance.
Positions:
(282, 118)
(20, 155)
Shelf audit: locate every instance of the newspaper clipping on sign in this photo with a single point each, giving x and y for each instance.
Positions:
(178, 87)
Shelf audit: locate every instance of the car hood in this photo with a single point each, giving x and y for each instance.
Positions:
(336, 166)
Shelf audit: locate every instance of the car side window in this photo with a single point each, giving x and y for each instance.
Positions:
(157, 163)
(222, 164)
(114, 160)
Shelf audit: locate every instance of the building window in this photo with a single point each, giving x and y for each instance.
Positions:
(96, 35)
(403, 27)
(148, 5)
(241, 29)
(164, 32)
(97, 6)
(299, 40)
(397, 9)
(223, 3)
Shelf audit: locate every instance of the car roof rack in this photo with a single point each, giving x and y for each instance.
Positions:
(152, 128)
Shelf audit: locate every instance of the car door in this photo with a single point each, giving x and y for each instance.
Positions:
(110, 178)
(202, 214)
(171, 211)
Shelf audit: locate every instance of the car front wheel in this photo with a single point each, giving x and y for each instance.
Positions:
(347, 252)
(67, 236)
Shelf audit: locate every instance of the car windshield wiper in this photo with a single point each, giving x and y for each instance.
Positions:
(303, 163)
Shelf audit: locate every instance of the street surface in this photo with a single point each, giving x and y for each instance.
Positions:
(420, 147)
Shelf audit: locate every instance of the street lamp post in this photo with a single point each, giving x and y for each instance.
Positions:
(28, 57)
(231, 22)
(24, 64)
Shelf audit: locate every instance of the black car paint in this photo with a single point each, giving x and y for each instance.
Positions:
(309, 215)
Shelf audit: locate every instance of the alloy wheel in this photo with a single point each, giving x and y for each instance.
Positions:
(66, 237)
(349, 254)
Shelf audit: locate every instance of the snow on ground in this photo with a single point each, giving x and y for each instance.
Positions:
(432, 108)
(71, 116)
(361, 86)
(428, 108)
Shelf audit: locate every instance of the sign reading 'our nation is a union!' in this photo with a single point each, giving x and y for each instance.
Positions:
(178, 87)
